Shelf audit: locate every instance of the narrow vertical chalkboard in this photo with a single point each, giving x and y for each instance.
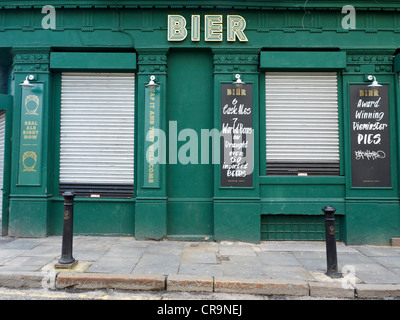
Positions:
(237, 136)
(370, 136)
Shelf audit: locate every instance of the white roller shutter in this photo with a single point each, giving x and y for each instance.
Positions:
(2, 139)
(97, 131)
(302, 133)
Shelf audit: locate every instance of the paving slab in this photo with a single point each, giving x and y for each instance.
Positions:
(241, 261)
(321, 255)
(388, 261)
(23, 244)
(313, 264)
(395, 270)
(192, 257)
(43, 250)
(377, 251)
(239, 250)
(26, 263)
(90, 255)
(380, 275)
(8, 254)
(278, 259)
(165, 248)
(125, 251)
(287, 272)
(199, 269)
(151, 263)
(230, 270)
(108, 264)
(201, 246)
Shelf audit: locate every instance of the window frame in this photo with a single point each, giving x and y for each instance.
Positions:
(57, 139)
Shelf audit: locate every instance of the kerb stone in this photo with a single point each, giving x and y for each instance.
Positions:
(110, 281)
(261, 286)
(378, 291)
(190, 283)
(330, 290)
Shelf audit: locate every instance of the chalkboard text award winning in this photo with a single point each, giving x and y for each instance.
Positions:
(370, 136)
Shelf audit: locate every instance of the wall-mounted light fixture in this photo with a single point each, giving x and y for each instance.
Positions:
(238, 82)
(26, 83)
(374, 82)
(151, 83)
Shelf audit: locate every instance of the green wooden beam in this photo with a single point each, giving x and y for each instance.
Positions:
(98, 61)
(302, 60)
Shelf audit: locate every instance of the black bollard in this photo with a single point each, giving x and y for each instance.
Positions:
(331, 253)
(66, 260)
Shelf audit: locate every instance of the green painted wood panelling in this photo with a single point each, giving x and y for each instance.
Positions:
(98, 61)
(302, 61)
(6, 103)
(296, 228)
(93, 217)
(190, 110)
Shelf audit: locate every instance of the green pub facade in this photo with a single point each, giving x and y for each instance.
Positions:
(201, 120)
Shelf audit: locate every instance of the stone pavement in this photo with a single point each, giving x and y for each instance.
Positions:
(291, 268)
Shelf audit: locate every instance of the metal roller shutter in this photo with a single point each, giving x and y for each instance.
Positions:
(2, 138)
(97, 134)
(302, 133)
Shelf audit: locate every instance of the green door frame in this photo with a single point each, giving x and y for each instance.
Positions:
(6, 102)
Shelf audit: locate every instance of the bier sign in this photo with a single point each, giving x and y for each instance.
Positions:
(370, 136)
(237, 136)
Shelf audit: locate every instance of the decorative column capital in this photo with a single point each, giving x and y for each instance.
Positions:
(152, 62)
(369, 62)
(34, 60)
(242, 62)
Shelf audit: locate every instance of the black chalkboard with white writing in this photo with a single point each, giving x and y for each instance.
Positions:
(237, 136)
(370, 136)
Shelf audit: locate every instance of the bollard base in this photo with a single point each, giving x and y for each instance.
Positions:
(69, 265)
(334, 274)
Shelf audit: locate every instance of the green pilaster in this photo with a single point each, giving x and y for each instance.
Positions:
(371, 206)
(237, 210)
(6, 104)
(32, 156)
(151, 206)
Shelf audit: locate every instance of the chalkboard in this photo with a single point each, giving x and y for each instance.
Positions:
(370, 136)
(237, 136)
